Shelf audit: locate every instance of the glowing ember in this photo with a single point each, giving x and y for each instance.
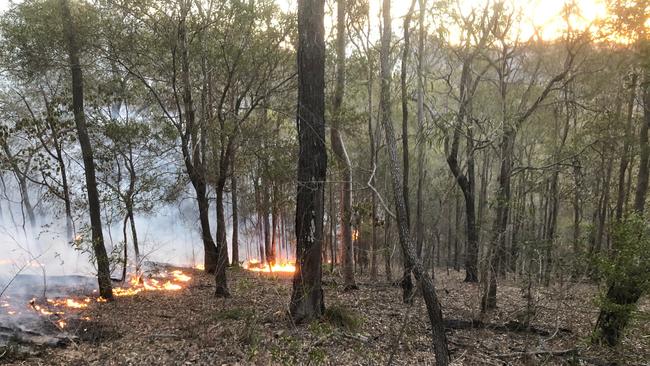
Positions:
(61, 323)
(255, 266)
(200, 267)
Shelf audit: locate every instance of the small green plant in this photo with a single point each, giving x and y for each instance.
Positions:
(342, 317)
(626, 273)
(317, 356)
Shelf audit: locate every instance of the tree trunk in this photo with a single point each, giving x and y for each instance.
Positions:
(431, 300)
(235, 216)
(221, 288)
(338, 147)
(496, 255)
(625, 158)
(103, 268)
(622, 296)
(407, 282)
(419, 220)
(307, 300)
(191, 154)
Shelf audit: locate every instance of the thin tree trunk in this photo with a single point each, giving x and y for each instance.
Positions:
(235, 216)
(338, 147)
(407, 282)
(625, 158)
(622, 296)
(103, 268)
(431, 300)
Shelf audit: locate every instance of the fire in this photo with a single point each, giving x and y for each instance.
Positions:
(355, 235)
(56, 309)
(254, 265)
(200, 267)
(140, 283)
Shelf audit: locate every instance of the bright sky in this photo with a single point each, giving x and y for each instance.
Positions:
(543, 15)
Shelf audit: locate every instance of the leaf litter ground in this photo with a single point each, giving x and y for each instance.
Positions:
(369, 326)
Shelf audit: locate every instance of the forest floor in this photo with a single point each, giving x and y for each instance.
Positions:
(364, 327)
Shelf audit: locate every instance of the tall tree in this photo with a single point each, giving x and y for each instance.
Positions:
(424, 281)
(340, 151)
(103, 270)
(307, 300)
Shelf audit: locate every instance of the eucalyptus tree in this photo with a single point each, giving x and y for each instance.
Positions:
(307, 299)
(340, 152)
(412, 261)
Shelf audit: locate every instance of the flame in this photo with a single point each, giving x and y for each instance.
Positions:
(139, 284)
(254, 265)
(55, 309)
(355, 235)
(200, 267)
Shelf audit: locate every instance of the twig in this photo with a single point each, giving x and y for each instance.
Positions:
(537, 353)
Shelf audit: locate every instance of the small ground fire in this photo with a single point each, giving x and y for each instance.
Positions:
(254, 265)
(59, 310)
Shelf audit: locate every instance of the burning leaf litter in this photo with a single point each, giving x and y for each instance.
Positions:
(254, 265)
(57, 310)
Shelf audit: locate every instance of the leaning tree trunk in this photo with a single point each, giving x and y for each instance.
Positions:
(338, 147)
(407, 282)
(103, 268)
(622, 296)
(429, 293)
(307, 301)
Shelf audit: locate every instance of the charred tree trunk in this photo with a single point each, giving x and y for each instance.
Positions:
(307, 301)
(431, 300)
(103, 269)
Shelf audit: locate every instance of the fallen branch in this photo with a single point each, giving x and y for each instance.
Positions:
(563, 352)
(511, 326)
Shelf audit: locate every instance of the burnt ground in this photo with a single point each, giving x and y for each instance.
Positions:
(364, 327)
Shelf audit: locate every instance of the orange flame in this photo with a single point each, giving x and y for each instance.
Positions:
(254, 265)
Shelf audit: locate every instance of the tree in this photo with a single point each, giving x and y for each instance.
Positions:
(103, 271)
(338, 146)
(307, 300)
(428, 291)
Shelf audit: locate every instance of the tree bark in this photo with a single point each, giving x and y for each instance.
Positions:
(623, 295)
(307, 300)
(407, 282)
(221, 281)
(103, 268)
(625, 158)
(431, 300)
(338, 147)
(235, 216)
